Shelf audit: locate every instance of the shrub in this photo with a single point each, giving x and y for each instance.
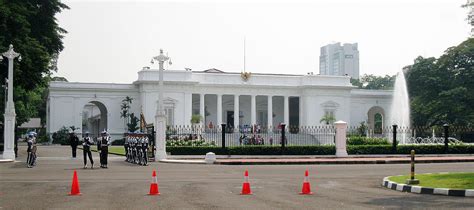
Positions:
(320, 150)
(254, 150)
(61, 136)
(119, 141)
(359, 140)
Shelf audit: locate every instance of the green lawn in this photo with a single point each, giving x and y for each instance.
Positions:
(441, 180)
(117, 150)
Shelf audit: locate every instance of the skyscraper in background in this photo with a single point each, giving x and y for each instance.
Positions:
(339, 60)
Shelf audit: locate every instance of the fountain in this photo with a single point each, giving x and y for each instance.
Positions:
(400, 110)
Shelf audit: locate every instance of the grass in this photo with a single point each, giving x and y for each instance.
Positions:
(116, 150)
(441, 180)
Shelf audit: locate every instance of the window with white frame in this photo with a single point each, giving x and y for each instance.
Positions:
(169, 112)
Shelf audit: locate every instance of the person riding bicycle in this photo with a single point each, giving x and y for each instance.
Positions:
(31, 158)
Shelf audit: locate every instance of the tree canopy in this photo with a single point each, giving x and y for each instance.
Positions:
(442, 89)
(31, 26)
(373, 82)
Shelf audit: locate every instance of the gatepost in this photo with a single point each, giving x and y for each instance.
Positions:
(341, 129)
(160, 137)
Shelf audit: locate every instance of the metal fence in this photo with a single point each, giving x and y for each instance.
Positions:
(218, 136)
(418, 134)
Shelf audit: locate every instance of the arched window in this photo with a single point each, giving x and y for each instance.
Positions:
(378, 123)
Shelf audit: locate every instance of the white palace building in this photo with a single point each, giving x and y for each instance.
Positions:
(263, 99)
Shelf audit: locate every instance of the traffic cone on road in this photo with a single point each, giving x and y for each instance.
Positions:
(154, 185)
(306, 186)
(75, 185)
(246, 185)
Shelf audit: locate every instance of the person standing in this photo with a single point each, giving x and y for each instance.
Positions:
(86, 146)
(31, 159)
(104, 149)
(74, 141)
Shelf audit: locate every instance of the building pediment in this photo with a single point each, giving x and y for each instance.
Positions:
(330, 105)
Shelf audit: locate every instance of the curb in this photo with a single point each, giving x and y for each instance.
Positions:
(183, 161)
(6, 160)
(426, 190)
(326, 162)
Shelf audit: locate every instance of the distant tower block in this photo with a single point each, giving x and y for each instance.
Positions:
(339, 60)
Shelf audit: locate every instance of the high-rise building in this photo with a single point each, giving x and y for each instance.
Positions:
(339, 60)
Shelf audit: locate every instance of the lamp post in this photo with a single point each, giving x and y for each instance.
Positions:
(9, 123)
(160, 118)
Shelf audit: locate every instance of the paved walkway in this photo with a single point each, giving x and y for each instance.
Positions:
(328, 159)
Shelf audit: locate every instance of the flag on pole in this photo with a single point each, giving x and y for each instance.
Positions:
(142, 122)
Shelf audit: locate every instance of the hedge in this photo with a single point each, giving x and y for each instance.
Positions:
(361, 140)
(321, 150)
(254, 150)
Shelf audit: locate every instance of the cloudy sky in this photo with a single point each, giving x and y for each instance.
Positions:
(109, 41)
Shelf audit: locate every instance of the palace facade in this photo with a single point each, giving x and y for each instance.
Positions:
(263, 99)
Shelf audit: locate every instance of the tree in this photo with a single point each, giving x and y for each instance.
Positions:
(133, 124)
(442, 90)
(373, 82)
(195, 119)
(327, 119)
(470, 15)
(130, 120)
(31, 26)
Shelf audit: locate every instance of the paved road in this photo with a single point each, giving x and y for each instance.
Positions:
(124, 186)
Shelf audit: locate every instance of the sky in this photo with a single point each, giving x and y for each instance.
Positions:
(110, 41)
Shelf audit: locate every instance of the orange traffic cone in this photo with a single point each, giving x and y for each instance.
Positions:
(246, 185)
(306, 186)
(75, 185)
(154, 185)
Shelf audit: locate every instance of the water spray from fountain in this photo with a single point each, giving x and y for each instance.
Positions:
(400, 110)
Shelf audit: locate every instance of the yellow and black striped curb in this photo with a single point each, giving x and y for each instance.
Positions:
(426, 190)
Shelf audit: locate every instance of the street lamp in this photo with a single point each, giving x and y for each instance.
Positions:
(9, 123)
(160, 118)
(4, 86)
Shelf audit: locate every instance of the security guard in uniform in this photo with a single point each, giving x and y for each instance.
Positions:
(31, 159)
(86, 146)
(145, 150)
(104, 149)
(125, 145)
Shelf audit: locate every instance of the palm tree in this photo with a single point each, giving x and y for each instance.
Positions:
(328, 119)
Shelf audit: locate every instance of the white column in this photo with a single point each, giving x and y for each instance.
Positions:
(160, 129)
(286, 112)
(341, 128)
(253, 110)
(188, 105)
(219, 109)
(302, 116)
(236, 111)
(270, 111)
(201, 108)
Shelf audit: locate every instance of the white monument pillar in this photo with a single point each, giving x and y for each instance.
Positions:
(236, 112)
(253, 110)
(301, 113)
(10, 115)
(286, 111)
(341, 128)
(188, 112)
(219, 109)
(201, 109)
(160, 117)
(270, 111)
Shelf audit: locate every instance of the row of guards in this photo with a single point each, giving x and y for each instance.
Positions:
(140, 147)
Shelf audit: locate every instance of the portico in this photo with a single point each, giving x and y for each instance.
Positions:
(263, 110)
